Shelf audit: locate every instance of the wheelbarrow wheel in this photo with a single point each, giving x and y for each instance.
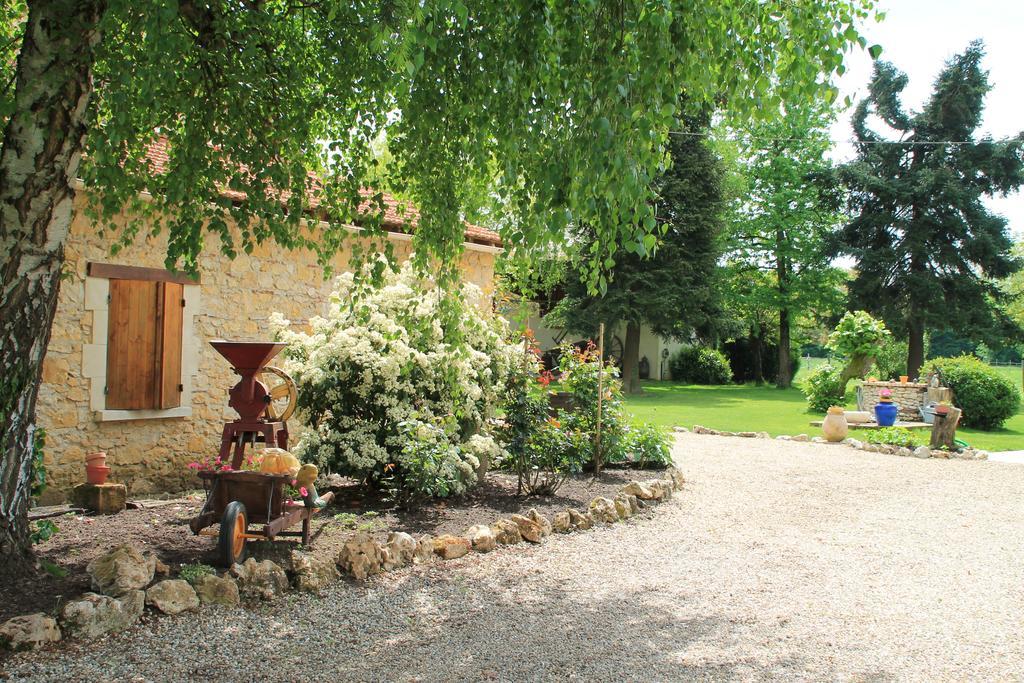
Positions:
(233, 527)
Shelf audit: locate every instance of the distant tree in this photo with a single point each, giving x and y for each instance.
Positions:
(927, 249)
(782, 225)
(670, 284)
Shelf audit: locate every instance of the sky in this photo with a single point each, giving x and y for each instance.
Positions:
(918, 36)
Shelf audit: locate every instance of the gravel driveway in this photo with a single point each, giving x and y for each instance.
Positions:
(779, 560)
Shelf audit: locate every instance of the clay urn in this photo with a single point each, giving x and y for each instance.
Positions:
(834, 428)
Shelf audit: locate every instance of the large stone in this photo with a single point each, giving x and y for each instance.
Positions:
(361, 556)
(313, 573)
(263, 580)
(482, 538)
(401, 548)
(528, 529)
(543, 522)
(94, 615)
(922, 452)
(580, 520)
(424, 550)
(799, 437)
(217, 590)
(28, 632)
(449, 547)
(172, 596)
(506, 532)
(103, 499)
(672, 472)
(659, 488)
(122, 570)
(603, 510)
(622, 507)
(641, 491)
(561, 522)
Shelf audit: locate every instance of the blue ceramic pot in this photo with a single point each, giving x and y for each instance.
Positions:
(885, 414)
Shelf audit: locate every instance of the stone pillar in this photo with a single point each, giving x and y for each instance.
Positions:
(103, 499)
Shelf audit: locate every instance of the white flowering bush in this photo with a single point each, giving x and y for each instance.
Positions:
(397, 373)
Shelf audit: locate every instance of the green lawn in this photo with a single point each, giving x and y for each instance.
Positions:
(750, 408)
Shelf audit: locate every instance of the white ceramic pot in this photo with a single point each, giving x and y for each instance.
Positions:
(834, 428)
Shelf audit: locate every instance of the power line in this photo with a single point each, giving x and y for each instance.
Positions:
(852, 141)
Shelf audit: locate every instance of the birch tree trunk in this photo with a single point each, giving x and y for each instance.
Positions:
(42, 145)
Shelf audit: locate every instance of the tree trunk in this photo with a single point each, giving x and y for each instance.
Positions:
(757, 354)
(785, 377)
(42, 145)
(915, 347)
(631, 359)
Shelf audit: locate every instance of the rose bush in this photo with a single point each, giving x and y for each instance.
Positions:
(397, 382)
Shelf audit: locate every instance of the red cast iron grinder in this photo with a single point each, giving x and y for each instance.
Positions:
(250, 398)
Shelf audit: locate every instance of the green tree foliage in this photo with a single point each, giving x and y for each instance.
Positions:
(859, 338)
(925, 245)
(567, 104)
(778, 232)
(670, 285)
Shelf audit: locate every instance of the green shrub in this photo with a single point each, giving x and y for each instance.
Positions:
(648, 446)
(895, 436)
(986, 398)
(700, 365)
(580, 369)
(824, 388)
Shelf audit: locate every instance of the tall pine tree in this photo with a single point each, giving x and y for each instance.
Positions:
(668, 284)
(927, 249)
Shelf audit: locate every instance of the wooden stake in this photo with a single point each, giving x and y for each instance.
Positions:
(600, 397)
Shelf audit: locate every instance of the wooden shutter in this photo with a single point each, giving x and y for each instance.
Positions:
(144, 345)
(168, 359)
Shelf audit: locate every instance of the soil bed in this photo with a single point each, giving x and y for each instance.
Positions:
(164, 529)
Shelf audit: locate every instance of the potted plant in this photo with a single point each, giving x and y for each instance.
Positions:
(885, 409)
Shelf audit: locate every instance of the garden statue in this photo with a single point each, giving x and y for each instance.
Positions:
(304, 481)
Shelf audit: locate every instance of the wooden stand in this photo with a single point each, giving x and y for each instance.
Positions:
(103, 499)
(944, 429)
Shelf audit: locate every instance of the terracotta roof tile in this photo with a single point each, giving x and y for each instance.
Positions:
(399, 216)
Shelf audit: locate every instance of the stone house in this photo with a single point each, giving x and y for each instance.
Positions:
(128, 369)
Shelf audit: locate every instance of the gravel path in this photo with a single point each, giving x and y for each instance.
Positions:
(779, 560)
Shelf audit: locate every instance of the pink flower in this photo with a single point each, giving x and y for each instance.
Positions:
(303, 492)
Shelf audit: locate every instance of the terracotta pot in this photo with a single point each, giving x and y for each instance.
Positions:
(834, 427)
(97, 459)
(903, 379)
(97, 474)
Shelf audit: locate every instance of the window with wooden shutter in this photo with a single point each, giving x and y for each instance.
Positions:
(144, 332)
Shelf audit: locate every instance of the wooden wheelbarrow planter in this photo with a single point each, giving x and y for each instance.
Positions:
(236, 499)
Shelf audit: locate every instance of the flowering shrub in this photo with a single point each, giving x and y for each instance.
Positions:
(544, 450)
(393, 361)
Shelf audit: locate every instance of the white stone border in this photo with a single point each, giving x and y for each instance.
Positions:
(856, 444)
(94, 354)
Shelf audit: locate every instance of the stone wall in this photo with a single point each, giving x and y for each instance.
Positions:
(233, 300)
(908, 396)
